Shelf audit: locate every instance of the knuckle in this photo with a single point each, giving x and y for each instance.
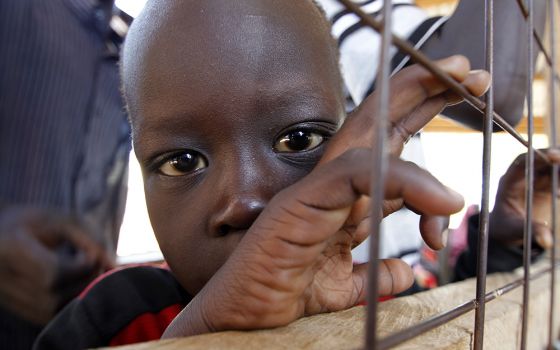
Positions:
(400, 133)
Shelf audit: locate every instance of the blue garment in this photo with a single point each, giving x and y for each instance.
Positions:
(64, 136)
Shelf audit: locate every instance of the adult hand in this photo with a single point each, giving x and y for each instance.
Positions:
(508, 216)
(416, 97)
(296, 260)
(45, 260)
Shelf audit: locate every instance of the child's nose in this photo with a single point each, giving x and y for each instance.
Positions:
(236, 215)
(244, 184)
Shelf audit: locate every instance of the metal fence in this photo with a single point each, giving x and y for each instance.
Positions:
(486, 108)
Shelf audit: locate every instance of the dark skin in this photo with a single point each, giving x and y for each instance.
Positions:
(38, 290)
(48, 259)
(507, 219)
(248, 223)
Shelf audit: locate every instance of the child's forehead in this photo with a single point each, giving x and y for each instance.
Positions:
(234, 29)
(172, 49)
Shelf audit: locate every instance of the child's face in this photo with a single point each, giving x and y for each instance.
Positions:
(231, 101)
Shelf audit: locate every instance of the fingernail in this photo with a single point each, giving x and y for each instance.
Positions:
(544, 240)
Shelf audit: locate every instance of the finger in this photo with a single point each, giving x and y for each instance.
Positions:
(72, 268)
(360, 210)
(420, 190)
(409, 88)
(404, 128)
(314, 208)
(394, 276)
(63, 231)
(506, 227)
(30, 259)
(553, 155)
(543, 235)
(432, 228)
(512, 183)
(392, 205)
(413, 85)
(362, 232)
(477, 82)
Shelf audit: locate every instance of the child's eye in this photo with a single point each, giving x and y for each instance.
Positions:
(183, 163)
(299, 141)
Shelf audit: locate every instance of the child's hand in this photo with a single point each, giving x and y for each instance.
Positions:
(46, 259)
(416, 97)
(296, 258)
(507, 218)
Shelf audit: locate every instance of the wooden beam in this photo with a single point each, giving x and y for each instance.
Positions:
(442, 124)
(432, 3)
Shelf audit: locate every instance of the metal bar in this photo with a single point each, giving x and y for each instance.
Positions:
(453, 85)
(378, 159)
(538, 40)
(482, 256)
(379, 164)
(529, 173)
(447, 316)
(554, 144)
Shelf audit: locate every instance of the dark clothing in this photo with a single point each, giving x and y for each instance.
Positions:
(501, 258)
(16, 333)
(128, 306)
(64, 137)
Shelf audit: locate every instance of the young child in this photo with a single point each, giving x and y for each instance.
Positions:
(255, 196)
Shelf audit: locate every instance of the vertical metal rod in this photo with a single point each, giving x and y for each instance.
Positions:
(529, 173)
(554, 144)
(379, 164)
(420, 58)
(482, 257)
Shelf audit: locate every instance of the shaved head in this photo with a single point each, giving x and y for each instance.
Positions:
(231, 101)
(224, 34)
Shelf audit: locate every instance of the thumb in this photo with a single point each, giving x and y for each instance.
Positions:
(394, 276)
(432, 228)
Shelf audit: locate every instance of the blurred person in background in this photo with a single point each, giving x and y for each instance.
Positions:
(64, 145)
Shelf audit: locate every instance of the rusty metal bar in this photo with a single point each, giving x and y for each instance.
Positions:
(538, 40)
(482, 256)
(554, 144)
(453, 85)
(529, 177)
(447, 316)
(379, 164)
